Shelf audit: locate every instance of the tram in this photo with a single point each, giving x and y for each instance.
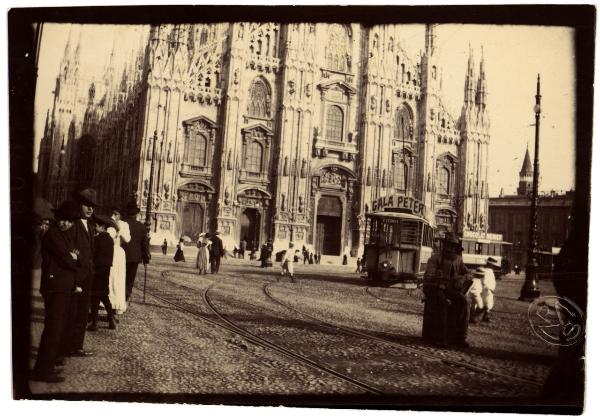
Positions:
(478, 247)
(398, 242)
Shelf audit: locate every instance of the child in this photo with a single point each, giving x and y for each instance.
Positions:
(287, 262)
(474, 295)
(103, 259)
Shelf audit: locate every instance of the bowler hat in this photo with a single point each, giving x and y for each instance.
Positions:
(132, 208)
(493, 262)
(68, 210)
(104, 220)
(89, 197)
(291, 244)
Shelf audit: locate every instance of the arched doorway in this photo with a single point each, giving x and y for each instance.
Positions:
(192, 220)
(250, 228)
(193, 214)
(329, 226)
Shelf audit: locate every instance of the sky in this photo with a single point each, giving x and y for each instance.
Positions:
(514, 55)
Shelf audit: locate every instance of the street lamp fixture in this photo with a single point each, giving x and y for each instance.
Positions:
(529, 291)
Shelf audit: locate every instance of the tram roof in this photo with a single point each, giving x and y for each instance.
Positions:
(399, 215)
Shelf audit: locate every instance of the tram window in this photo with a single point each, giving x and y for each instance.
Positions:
(477, 248)
(468, 247)
(485, 249)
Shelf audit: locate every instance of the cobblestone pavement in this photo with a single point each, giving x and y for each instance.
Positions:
(160, 349)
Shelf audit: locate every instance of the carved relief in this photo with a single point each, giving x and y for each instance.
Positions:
(303, 169)
(285, 167)
(282, 233)
(169, 155)
(253, 198)
(283, 204)
(226, 195)
(331, 177)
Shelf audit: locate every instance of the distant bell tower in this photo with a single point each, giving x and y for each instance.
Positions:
(525, 176)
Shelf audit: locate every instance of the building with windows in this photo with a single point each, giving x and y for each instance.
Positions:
(510, 216)
(271, 131)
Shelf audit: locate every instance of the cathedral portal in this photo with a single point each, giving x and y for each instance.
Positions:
(328, 240)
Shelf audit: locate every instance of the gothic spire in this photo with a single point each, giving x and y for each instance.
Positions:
(430, 39)
(526, 169)
(78, 47)
(469, 80)
(481, 96)
(68, 44)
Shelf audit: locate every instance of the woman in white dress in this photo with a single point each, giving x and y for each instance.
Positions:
(202, 258)
(116, 287)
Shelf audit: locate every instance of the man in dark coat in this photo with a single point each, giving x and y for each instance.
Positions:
(59, 266)
(83, 231)
(216, 252)
(137, 250)
(447, 277)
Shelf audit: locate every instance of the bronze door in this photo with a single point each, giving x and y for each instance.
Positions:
(192, 220)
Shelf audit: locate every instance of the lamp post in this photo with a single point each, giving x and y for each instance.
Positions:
(149, 200)
(529, 291)
(60, 182)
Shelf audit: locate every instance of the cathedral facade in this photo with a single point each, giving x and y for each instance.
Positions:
(271, 131)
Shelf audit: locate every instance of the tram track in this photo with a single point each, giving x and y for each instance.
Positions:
(449, 364)
(406, 347)
(253, 338)
(369, 292)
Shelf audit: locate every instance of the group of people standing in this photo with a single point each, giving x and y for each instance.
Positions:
(309, 257)
(86, 258)
(210, 252)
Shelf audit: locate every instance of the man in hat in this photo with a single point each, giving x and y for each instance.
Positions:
(84, 231)
(216, 252)
(43, 213)
(137, 249)
(59, 267)
(448, 275)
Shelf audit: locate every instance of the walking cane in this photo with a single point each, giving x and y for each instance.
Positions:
(145, 272)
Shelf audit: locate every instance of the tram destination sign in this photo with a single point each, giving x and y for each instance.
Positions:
(411, 204)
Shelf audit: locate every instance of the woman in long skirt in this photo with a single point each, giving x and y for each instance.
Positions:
(116, 291)
(202, 258)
